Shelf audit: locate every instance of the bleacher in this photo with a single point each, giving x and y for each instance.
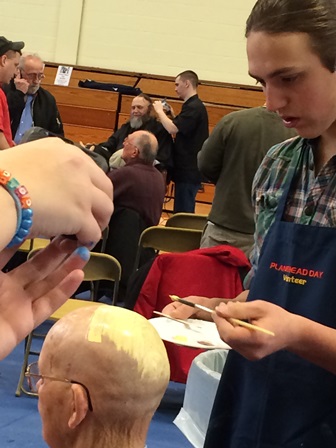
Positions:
(91, 115)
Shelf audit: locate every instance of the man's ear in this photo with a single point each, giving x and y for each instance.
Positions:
(135, 152)
(3, 60)
(80, 406)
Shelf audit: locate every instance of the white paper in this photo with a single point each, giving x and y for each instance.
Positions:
(197, 333)
(63, 75)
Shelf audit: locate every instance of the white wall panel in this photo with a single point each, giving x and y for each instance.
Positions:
(149, 36)
(33, 21)
(166, 37)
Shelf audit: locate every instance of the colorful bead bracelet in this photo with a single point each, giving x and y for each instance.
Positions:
(23, 207)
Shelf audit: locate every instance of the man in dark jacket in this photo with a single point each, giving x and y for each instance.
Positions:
(29, 104)
(138, 185)
(191, 129)
(230, 158)
(138, 194)
(141, 119)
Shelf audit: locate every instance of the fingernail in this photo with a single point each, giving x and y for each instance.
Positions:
(82, 252)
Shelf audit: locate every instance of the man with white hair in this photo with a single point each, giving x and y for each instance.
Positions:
(142, 118)
(101, 375)
(138, 185)
(29, 103)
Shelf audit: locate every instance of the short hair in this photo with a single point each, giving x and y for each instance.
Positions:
(148, 146)
(26, 56)
(11, 54)
(190, 76)
(317, 18)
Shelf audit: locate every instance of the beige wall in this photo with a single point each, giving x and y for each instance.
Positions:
(149, 36)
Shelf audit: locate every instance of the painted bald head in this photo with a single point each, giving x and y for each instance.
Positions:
(122, 362)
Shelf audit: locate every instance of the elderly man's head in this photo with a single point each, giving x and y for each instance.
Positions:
(141, 110)
(31, 69)
(140, 145)
(118, 371)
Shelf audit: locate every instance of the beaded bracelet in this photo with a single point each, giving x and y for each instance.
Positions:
(23, 206)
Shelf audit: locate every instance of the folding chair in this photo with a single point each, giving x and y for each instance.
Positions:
(21, 254)
(38, 243)
(99, 267)
(125, 226)
(70, 305)
(168, 239)
(187, 221)
(35, 243)
(209, 272)
(102, 267)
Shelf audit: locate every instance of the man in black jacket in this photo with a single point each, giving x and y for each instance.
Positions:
(191, 129)
(29, 104)
(141, 118)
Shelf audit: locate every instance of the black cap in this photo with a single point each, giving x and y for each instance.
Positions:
(6, 45)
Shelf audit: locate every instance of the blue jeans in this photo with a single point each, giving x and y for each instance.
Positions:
(185, 195)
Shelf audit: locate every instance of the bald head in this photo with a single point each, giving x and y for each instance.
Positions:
(121, 360)
(147, 144)
(142, 145)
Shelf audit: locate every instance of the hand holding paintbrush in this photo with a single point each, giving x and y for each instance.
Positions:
(232, 320)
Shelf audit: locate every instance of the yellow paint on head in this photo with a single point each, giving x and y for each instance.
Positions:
(131, 333)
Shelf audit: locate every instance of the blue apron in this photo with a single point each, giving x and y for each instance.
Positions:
(283, 400)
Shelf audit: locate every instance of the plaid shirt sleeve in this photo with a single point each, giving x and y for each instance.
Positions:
(267, 189)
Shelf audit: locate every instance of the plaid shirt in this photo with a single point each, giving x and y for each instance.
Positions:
(311, 200)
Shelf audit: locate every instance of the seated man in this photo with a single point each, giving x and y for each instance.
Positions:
(29, 104)
(102, 373)
(141, 118)
(138, 185)
(139, 191)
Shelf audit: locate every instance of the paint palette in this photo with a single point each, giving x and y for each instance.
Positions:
(194, 333)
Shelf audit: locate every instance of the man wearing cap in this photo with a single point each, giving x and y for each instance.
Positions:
(9, 60)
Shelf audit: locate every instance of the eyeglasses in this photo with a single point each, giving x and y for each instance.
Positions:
(32, 76)
(33, 377)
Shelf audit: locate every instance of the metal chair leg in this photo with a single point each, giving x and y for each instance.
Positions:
(28, 343)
